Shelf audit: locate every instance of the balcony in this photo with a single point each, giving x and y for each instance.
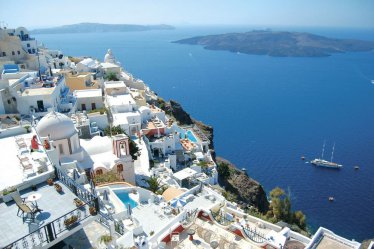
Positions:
(50, 224)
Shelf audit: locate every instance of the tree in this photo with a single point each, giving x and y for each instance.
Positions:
(134, 149)
(223, 170)
(111, 76)
(154, 183)
(300, 219)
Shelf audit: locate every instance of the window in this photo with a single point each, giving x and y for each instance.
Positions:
(13, 53)
(4, 54)
(29, 50)
(18, 52)
(33, 50)
(28, 45)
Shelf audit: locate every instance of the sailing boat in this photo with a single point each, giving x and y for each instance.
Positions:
(324, 163)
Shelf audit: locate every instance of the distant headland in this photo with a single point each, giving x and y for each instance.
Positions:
(99, 27)
(279, 44)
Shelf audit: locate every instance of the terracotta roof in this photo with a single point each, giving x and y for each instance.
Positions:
(171, 193)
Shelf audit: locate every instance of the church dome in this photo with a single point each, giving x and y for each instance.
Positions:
(109, 57)
(56, 125)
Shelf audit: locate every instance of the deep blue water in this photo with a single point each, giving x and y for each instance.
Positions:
(267, 112)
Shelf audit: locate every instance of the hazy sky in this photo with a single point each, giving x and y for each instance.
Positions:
(330, 13)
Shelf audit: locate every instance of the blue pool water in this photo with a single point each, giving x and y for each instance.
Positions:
(267, 112)
(123, 195)
(191, 137)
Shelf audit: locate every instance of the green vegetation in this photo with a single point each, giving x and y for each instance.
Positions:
(105, 238)
(224, 171)
(161, 103)
(154, 185)
(115, 130)
(107, 177)
(101, 110)
(9, 190)
(111, 76)
(280, 210)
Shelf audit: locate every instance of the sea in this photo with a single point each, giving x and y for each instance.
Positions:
(267, 112)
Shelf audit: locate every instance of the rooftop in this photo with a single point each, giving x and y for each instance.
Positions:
(88, 93)
(108, 65)
(120, 100)
(54, 205)
(22, 165)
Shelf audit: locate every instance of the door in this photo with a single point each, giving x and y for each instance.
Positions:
(40, 105)
(83, 107)
(93, 106)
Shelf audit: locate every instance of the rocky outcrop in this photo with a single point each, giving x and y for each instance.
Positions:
(179, 113)
(248, 191)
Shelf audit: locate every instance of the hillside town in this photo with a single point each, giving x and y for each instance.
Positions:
(90, 159)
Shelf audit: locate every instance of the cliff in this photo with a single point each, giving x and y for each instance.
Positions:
(279, 44)
(248, 191)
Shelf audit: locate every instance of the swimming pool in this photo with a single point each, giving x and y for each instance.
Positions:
(191, 137)
(123, 195)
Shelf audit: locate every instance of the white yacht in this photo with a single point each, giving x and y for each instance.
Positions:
(324, 163)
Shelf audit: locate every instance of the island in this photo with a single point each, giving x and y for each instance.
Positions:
(279, 43)
(99, 27)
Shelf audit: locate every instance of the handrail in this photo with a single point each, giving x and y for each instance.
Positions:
(254, 235)
(52, 230)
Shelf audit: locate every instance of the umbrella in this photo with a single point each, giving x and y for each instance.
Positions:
(129, 211)
(92, 185)
(75, 175)
(105, 196)
(178, 203)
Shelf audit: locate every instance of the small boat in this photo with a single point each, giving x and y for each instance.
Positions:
(372, 81)
(331, 198)
(302, 157)
(357, 167)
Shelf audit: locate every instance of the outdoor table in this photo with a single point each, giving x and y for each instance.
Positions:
(191, 232)
(214, 244)
(33, 198)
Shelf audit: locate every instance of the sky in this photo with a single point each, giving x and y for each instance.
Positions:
(312, 13)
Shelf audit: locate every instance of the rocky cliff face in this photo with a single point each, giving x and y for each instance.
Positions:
(248, 191)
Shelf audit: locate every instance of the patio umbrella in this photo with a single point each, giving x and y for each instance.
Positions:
(105, 195)
(178, 203)
(75, 175)
(129, 210)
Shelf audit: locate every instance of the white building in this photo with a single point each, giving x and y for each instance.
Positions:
(99, 154)
(88, 100)
(88, 65)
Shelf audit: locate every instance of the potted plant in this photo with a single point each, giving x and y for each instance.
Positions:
(58, 187)
(50, 181)
(105, 239)
(78, 202)
(92, 211)
(8, 193)
(71, 221)
(27, 128)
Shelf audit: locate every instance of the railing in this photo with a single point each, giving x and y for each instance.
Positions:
(220, 219)
(52, 230)
(76, 188)
(254, 235)
(106, 217)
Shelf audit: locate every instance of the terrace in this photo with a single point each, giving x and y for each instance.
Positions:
(53, 204)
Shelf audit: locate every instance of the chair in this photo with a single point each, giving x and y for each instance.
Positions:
(18, 200)
(26, 209)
